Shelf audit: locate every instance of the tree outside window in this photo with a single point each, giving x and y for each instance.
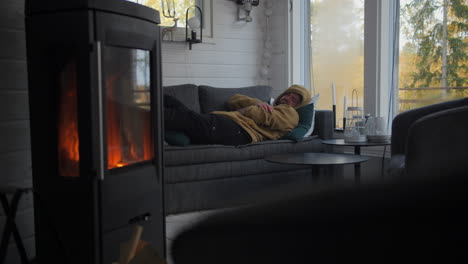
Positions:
(433, 52)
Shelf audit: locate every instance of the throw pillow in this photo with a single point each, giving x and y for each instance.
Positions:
(176, 138)
(314, 101)
(306, 114)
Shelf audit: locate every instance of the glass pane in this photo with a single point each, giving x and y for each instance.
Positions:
(337, 53)
(172, 9)
(128, 106)
(433, 58)
(67, 122)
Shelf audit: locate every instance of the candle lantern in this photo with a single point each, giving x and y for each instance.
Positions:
(355, 130)
(194, 23)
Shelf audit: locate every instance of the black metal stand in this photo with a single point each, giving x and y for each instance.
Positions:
(10, 226)
(334, 116)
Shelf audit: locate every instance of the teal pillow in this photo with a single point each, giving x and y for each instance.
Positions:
(306, 115)
(176, 138)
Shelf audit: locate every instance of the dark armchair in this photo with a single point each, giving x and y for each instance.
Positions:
(410, 220)
(430, 139)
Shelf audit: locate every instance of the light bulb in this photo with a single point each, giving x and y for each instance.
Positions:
(194, 22)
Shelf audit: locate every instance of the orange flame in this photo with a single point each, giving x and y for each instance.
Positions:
(123, 145)
(67, 123)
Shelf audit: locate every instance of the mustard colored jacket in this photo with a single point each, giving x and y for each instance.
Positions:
(263, 125)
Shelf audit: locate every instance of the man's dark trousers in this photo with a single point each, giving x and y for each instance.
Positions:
(202, 128)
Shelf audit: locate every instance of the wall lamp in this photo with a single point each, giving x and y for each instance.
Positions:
(244, 8)
(194, 23)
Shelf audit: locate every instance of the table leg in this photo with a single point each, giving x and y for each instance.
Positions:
(357, 172)
(357, 166)
(383, 163)
(322, 170)
(315, 173)
(357, 150)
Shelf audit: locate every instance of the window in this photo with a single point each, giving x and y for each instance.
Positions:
(433, 59)
(172, 9)
(174, 14)
(337, 53)
(397, 55)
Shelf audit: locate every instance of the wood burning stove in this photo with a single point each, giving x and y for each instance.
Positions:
(96, 127)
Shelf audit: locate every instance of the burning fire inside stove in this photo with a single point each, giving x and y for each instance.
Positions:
(127, 113)
(128, 108)
(128, 134)
(68, 140)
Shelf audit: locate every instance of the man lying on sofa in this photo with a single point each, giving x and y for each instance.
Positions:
(250, 120)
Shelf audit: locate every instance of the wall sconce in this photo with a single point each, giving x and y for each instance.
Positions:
(194, 23)
(245, 6)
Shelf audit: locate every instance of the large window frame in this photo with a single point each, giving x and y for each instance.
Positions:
(380, 66)
(381, 58)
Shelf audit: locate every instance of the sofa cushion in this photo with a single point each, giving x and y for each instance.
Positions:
(314, 101)
(272, 147)
(306, 115)
(185, 93)
(176, 138)
(197, 154)
(192, 196)
(224, 170)
(215, 98)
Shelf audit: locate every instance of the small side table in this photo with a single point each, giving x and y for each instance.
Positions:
(10, 228)
(357, 150)
(317, 159)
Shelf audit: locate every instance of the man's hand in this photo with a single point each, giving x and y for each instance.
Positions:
(265, 107)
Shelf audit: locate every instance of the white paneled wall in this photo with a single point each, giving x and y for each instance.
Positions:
(15, 161)
(231, 59)
(279, 29)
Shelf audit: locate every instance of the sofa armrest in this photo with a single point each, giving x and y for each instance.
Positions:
(437, 144)
(402, 122)
(323, 124)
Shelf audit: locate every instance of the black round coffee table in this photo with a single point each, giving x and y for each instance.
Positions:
(357, 150)
(316, 159)
(357, 145)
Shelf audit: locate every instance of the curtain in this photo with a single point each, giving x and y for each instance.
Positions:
(394, 55)
(307, 47)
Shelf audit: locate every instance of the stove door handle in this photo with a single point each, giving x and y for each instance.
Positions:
(100, 162)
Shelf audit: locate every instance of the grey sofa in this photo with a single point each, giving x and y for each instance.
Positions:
(199, 177)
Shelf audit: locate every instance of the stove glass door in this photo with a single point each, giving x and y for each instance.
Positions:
(128, 114)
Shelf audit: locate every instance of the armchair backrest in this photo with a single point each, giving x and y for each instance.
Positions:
(437, 144)
(403, 121)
